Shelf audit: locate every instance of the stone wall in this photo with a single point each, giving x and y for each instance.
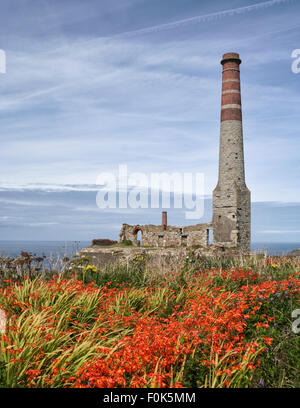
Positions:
(231, 217)
(160, 259)
(198, 234)
(166, 236)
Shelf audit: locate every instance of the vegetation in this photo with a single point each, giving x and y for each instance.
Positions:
(217, 322)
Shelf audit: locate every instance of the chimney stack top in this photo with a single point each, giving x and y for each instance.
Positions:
(231, 56)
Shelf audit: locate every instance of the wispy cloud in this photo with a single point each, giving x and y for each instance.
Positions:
(203, 18)
(39, 224)
(46, 187)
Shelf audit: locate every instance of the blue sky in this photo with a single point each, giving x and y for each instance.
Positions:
(94, 84)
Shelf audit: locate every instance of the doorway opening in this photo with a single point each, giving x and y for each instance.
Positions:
(139, 238)
(209, 237)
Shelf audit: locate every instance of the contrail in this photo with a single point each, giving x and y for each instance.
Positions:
(200, 19)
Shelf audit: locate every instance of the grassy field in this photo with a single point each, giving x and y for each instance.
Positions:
(213, 323)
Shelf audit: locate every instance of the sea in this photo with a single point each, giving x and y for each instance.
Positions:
(50, 249)
(60, 249)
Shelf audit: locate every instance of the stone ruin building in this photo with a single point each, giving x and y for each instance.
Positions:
(230, 224)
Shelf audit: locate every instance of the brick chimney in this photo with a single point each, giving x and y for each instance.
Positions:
(164, 221)
(231, 197)
(231, 159)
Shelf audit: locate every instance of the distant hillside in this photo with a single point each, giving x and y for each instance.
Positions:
(296, 252)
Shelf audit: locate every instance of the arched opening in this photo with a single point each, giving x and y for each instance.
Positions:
(137, 231)
(139, 238)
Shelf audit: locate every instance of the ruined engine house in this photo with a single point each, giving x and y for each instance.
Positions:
(230, 226)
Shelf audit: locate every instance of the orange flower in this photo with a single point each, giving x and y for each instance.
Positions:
(268, 340)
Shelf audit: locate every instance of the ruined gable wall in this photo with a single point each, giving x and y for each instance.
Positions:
(152, 235)
(172, 236)
(197, 234)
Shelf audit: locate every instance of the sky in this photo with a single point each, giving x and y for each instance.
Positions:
(92, 85)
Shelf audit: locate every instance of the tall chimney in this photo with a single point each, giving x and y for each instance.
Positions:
(231, 197)
(164, 220)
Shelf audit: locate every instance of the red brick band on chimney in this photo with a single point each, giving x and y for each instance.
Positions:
(231, 90)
